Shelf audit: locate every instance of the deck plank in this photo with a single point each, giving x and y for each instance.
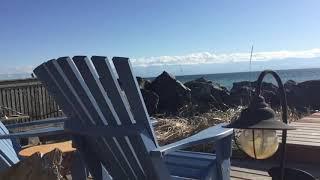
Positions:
(257, 170)
(306, 134)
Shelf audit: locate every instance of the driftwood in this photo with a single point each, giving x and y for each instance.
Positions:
(36, 167)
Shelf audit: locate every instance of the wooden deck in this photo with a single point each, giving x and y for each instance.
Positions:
(303, 144)
(257, 170)
(303, 152)
(307, 132)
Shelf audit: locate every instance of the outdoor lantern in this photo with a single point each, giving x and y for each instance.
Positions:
(258, 138)
(258, 123)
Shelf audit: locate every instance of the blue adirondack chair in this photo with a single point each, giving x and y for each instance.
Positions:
(111, 127)
(8, 155)
(9, 144)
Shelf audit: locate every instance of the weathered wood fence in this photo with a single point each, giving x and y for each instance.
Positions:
(29, 97)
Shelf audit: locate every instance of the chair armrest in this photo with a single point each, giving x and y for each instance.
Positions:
(210, 134)
(36, 132)
(37, 122)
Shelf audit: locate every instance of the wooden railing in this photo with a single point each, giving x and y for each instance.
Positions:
(28, 97)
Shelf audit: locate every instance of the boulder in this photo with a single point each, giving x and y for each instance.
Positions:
(207, 95)
(292, 91)
(252, 85)
(304, 95)
(240, 97)
(173, 95)
(241, 93)
(289, 85)
(272, 98)
(151, 100)
(143, 83)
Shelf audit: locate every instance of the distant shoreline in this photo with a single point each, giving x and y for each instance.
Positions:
(293, 69)
(224, 79)
(16, 76)
(227, 79)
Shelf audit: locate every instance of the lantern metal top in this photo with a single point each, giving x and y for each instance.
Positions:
(258, 116)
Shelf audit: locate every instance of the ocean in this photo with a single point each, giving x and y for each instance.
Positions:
(226, 79)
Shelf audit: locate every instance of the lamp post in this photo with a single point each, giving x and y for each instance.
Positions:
(259, 139)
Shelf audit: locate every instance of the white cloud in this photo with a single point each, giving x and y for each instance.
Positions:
(23, 69)
(211, 58)
(16, 69)
(197, 58)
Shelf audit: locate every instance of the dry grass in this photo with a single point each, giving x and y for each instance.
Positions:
(293, 115)
(172, 129)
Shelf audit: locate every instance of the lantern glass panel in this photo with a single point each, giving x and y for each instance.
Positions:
(259, 144)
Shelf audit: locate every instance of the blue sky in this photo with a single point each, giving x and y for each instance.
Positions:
(155, 32)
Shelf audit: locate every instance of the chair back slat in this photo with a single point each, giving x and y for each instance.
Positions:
(135, 100)
(111, 86)
(114, 146)
(7, 142)
(123, 144)
(49, 80)
(95, 87)
(130, 86)
(62, 88)
(8, 156)
(118, 99)
(84, 97)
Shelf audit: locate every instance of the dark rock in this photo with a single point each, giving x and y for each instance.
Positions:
(241, 93)
(240, 97)
(300, 96)
(289, 85)
(271, 98)
(173, 95)
(292, 91)
(207, 94)
(143, 83)
(305, 95)
(252, 85)
(151, 99)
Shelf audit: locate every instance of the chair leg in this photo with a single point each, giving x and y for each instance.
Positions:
(211, 173)
(78, 169)
(92, 161)
(223, 152)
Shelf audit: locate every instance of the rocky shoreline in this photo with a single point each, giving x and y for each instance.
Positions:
(168, 96)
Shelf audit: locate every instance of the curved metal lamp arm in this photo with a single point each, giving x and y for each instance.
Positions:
(283, 101)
